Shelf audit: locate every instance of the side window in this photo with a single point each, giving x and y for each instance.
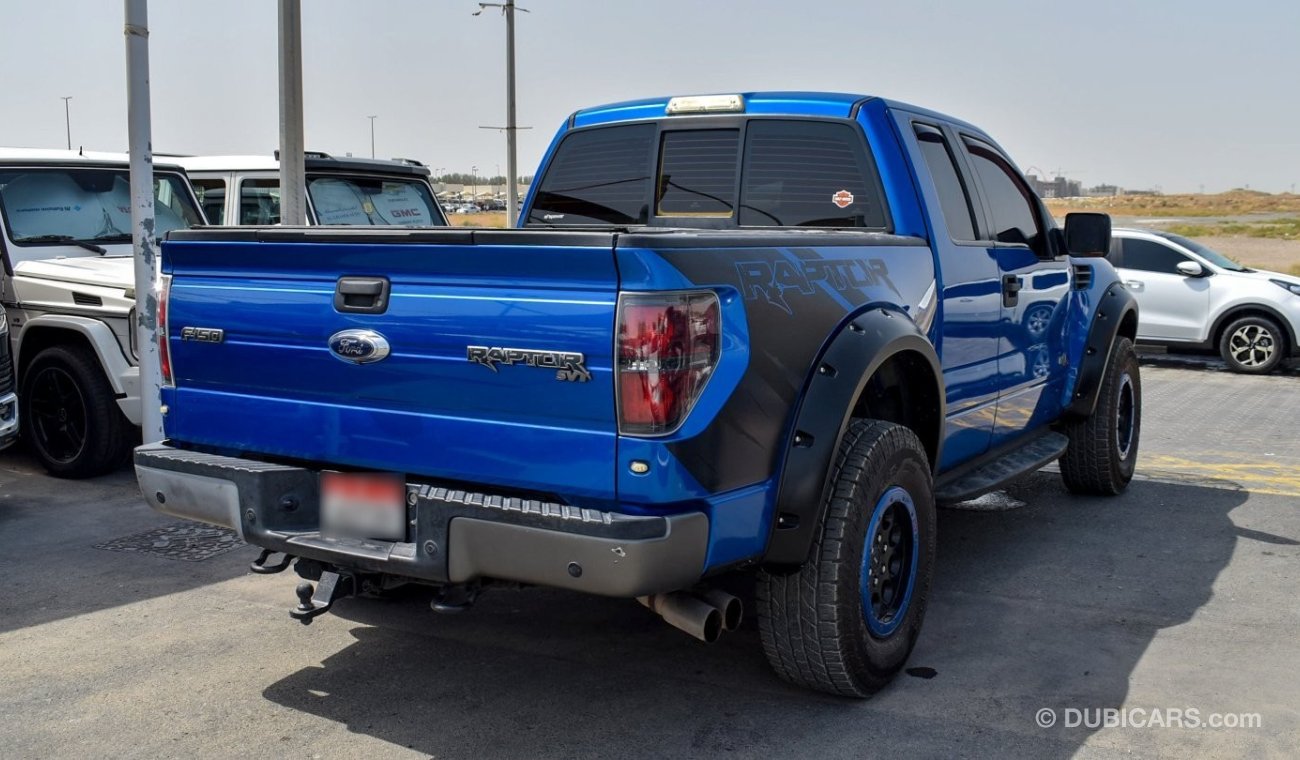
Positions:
(597, 176)
(1011, 201)
(259, 201)
(808, 174)
(1150, 256)
(212, 197)
(953, 197)
(697, 173)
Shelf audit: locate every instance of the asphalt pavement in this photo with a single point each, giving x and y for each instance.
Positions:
(124, 633)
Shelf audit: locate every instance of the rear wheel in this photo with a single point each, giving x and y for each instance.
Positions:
(1253, 345)
(70, 415)
(1102, 453)
(846, 621)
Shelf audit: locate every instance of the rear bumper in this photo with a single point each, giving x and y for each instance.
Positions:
(452, 536)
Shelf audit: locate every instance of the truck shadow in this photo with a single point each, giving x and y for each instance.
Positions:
(1050, 605)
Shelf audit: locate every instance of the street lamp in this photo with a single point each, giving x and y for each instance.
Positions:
(67, 119)
(372, 135)
(512, 196)
(473, 175)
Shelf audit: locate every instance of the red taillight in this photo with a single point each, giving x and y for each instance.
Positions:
(667, 348)
(164, 351)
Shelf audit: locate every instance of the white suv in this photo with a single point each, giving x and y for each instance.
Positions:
(69, 292)
(245, 190)
(1192, 297)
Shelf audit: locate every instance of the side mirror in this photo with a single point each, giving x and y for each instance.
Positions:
(1190, 268)
(1087, 234)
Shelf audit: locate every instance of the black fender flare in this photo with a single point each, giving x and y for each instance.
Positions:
(1114, 306)
(824, 412)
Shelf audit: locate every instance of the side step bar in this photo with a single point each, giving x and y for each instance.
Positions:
(967, 484)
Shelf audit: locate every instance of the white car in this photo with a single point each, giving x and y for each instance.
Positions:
(1191, 297)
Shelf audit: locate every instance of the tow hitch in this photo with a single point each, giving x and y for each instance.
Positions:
(261, 567)
(314, 601)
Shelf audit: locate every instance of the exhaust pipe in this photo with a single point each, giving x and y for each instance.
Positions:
(687, 613)
(731, 607)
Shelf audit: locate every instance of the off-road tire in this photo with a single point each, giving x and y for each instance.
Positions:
(1097, 462)
(813, 620)
(1231, 345)
(106, 433)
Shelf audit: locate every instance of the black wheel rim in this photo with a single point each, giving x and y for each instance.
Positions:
(58, 414)
(1125, 416)
(889, 562)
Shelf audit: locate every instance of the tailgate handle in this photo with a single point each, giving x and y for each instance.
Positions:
(362, 295)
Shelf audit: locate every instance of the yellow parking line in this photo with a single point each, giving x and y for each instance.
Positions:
(1277, 479)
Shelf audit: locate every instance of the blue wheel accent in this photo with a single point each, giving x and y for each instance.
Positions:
(889, 561)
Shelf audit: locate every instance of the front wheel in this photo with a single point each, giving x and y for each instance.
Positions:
(1102, 452)
(1253, 345)
(70, 414)
(845, 622)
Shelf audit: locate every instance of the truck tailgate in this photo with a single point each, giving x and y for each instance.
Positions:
(274, 385)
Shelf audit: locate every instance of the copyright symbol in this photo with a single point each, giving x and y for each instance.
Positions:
(1046, 717)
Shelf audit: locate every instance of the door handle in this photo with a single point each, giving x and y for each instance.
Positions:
(362, 295)
(1010, 290)
(1137, 285)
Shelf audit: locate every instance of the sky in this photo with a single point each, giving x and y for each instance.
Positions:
(1177, 95)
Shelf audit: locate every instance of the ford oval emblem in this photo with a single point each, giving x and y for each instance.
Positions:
(359, 346)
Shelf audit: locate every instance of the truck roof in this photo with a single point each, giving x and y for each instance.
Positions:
(315, 161)
(793, 103)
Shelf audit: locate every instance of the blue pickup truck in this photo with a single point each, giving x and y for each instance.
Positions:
(764, 332)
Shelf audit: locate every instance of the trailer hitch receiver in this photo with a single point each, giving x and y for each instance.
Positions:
(316, 601)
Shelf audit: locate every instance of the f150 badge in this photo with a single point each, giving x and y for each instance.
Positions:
(568, 365)
(203, 334)
(359, 346)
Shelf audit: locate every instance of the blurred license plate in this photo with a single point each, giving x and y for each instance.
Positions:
(363, 505)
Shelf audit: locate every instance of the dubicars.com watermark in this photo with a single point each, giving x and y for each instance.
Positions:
(1143, 717)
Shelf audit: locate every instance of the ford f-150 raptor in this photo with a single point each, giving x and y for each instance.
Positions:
(765, 332)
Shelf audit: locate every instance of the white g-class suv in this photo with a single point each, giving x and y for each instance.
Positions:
(1190, 297)
(69, 291)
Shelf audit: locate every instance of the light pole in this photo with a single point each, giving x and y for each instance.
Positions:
(372, 135)
(67, 119)
(473, 175)
(512, 196)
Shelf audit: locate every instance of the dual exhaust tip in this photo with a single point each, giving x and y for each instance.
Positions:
(704, 615)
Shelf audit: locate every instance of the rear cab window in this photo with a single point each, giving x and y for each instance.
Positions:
(742, 172)
(954, 198)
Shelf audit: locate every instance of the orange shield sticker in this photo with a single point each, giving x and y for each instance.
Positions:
(843, 199)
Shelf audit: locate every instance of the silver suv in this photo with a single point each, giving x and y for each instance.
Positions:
(1192, 297)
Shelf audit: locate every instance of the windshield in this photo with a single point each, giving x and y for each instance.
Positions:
(372, 201)
(60, 205)
(1205, 252)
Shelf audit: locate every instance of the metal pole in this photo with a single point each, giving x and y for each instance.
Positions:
(142, 216)
(67, 120)
(293, 180)
(512, 194)
(372, 135)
